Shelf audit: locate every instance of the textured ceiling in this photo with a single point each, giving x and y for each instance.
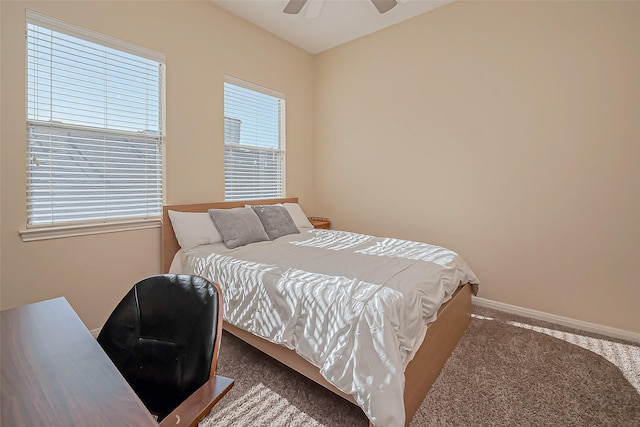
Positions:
(323, 24)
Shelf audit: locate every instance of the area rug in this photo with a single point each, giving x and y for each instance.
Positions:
(506, 370)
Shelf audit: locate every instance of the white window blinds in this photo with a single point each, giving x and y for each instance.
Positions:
(95, 126)
(254, 135)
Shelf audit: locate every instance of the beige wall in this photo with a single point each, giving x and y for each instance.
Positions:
(202, 43)
(507, 131)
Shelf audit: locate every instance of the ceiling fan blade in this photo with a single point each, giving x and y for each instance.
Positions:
(295, 6)
(384, 6)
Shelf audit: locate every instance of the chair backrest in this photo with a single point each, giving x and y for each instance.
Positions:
(164, 338)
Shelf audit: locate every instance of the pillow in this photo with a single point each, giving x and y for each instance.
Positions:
(276, 220)
(238, 226)
(299, 218)
(193, 229)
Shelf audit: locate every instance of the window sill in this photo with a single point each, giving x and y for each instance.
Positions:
(46, 233)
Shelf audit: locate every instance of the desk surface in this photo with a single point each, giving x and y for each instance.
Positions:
(55, 373)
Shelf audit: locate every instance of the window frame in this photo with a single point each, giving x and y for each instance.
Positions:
(280, 151)
(41, 231)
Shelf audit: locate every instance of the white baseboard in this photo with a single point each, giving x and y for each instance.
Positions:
(540, 315)
(564, 321)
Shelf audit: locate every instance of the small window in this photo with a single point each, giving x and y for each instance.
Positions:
(254, 136)
(95, 127)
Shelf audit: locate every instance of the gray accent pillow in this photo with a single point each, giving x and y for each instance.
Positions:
(238, 226)
(276, 220)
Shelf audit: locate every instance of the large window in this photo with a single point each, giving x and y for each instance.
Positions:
(95, 127)
(254, 135)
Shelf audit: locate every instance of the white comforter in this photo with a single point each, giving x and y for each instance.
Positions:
(355, 306)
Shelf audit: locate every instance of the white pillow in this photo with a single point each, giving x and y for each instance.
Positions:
(301, 220)
(194, 229)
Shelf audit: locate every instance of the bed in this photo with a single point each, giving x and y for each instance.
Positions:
(426, 359)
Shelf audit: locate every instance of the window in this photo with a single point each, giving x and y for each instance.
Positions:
(254, 135)
(95, 127)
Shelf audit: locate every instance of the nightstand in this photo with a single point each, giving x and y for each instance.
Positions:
(320, 222)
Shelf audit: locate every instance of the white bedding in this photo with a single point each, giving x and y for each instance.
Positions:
(355, 306)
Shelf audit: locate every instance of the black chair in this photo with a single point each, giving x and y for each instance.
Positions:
(164, 338)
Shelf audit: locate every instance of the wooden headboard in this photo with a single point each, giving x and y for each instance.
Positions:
(170, 244)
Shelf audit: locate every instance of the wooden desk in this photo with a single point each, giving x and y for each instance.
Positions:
(54, 373)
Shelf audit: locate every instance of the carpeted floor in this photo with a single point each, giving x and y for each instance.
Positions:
(506, 371)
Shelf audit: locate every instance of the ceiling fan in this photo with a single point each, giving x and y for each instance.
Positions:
(295, 6)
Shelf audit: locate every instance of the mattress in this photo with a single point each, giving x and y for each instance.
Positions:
(356, 306)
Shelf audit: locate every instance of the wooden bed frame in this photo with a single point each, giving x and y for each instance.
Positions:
(441, 338)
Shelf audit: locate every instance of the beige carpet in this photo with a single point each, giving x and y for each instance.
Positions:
(506, 371)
